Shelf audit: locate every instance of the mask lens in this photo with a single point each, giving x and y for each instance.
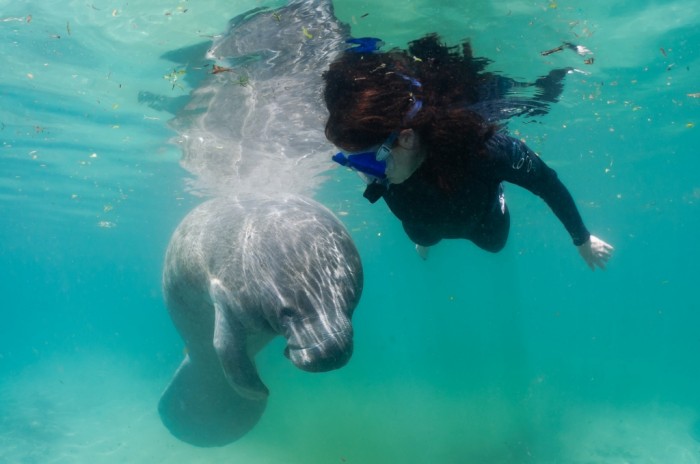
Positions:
(383, 153)
(385, 149)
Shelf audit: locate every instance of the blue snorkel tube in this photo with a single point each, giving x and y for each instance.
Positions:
(365, 163)
(371, 170)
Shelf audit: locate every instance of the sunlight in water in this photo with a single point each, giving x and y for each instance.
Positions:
(117, 118)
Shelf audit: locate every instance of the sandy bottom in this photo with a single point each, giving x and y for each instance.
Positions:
(101, 409)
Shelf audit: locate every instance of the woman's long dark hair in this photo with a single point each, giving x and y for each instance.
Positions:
(369, 95)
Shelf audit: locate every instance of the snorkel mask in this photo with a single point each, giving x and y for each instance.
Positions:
(371, 163)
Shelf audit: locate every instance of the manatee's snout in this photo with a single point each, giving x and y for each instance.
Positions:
(317, 343)
(331, 353)
(317, 340)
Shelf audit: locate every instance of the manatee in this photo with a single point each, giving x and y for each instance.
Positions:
(239, 271)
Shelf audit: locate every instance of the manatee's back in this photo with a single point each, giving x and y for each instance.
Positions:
(185, 278)
(209, 243)
(297, 246)
(199, 406)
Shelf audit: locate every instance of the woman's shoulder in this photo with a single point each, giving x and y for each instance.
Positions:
(503, 149)
(499, 140)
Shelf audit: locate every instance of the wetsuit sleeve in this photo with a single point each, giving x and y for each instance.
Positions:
(514, 162)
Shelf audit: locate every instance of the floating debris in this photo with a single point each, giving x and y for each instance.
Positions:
(174, 76)
(306, 33)
(243, 81)
(694, 95)
(219, 69)
(106, 224)
(552, 50)
(580, 49)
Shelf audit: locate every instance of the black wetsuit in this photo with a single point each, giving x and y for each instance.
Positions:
(477, 210)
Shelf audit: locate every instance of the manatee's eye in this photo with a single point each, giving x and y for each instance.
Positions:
(287, 313)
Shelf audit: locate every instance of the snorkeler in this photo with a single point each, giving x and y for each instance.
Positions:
(419, 125)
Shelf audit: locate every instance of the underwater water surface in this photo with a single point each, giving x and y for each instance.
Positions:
(521, 357)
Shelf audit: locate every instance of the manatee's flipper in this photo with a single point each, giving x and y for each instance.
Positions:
(230, 343)
(200, 407)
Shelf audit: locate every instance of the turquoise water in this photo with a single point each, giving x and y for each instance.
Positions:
(521, 357)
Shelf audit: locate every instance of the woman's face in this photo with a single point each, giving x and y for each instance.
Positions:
(406, 157)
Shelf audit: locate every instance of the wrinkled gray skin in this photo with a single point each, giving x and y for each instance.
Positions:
(237, 273)
(240, 271)
(260, 127)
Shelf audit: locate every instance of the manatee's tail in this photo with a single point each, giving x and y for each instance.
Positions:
(200, 407)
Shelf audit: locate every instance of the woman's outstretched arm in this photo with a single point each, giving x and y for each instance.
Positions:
(595, 252)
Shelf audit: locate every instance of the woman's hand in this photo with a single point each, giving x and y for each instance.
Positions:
(595, 252)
